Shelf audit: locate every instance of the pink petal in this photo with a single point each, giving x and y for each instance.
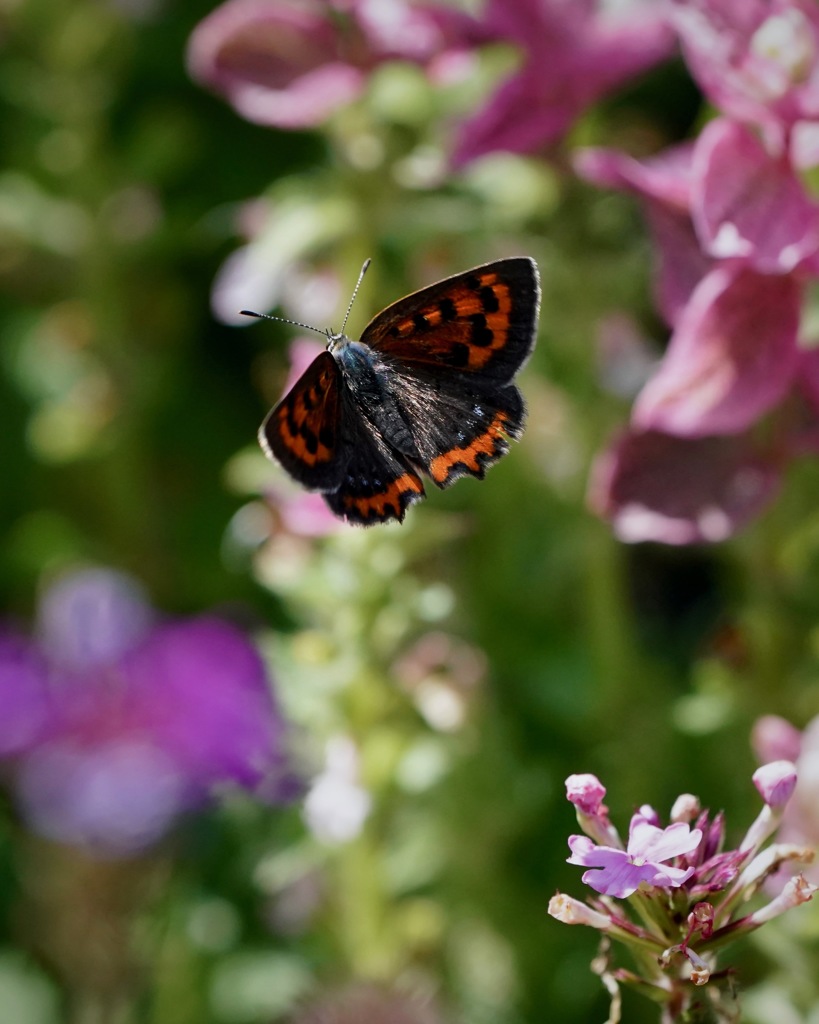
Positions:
(661, 844)
(572, 57)
(755, 59)
(655, 487)
(664, 183)
(283, 64)
(520, 118)
(776, 782)
(618, 878)
(665, 876)
(680, 263)
(748, 204)
(665, 177)
(732, 357)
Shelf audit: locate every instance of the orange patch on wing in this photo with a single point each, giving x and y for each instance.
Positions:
(296, 443)
(467, 303)
(387, 504)
(469, 457)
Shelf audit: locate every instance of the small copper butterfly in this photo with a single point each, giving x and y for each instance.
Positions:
(427, 389)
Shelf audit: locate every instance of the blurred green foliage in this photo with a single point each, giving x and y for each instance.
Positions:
(128, 414)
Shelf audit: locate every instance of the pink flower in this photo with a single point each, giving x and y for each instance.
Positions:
(653, 486)
(756, 60)
(292, 63)
(586, 792)
(775, 782)
(774, 738)
(737, 238)
(572, 55)
(800, 819)
(620, 872)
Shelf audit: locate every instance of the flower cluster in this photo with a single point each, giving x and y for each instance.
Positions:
(737, 237)
(684, 891)
(115, 723)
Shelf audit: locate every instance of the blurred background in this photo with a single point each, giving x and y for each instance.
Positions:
(432, 683)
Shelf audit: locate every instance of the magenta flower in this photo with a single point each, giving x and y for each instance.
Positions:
(572, 55)
(652, 486)
(756, 60)
(138, 721)
(737, 238)
(620, 872)
(292, 63)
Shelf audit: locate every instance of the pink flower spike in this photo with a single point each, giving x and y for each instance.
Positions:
(775, 782)
(619, 873)
(748, 204)
(732, 357)
(586, 792)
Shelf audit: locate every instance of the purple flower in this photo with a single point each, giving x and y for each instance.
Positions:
(23, 694)
(620, 872)
(572, 55)
(138, 721)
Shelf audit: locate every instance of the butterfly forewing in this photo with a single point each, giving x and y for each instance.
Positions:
(483, 321)
(304, 431)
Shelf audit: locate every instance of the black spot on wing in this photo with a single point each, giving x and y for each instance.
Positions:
(489, 299)
(480, 334)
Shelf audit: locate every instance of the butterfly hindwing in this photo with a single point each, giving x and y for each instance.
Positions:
(304, 432)
(459, 424)
(378, 483)
(483, 321)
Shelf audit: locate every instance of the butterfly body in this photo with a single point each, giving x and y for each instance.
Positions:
(428, 388)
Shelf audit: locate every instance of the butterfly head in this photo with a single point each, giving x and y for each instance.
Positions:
(336, 341)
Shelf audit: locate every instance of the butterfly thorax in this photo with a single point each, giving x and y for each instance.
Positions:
(366, 376)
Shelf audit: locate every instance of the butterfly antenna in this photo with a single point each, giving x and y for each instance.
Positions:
(282, 320)
(367, 262)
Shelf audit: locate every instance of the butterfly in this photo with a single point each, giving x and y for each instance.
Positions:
(427, 389)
